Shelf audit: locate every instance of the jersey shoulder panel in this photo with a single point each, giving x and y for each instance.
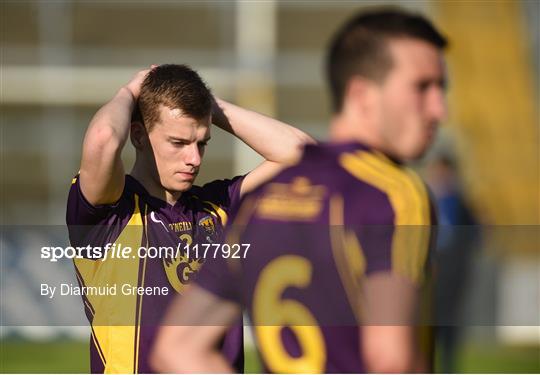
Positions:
(405, 191)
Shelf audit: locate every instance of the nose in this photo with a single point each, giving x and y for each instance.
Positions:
(193, 156)
(437, 108)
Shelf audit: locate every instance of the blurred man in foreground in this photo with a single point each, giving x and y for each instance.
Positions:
(340, 242)
(156, 205)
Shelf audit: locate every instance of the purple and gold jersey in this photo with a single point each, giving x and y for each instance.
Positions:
(317, 231)
(124, 326)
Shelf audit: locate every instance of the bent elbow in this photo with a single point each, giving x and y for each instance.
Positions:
(103, 136)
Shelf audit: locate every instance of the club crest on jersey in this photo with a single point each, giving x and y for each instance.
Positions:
(180, 269)
(208, 224)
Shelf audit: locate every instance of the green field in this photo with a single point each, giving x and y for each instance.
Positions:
(17, 356)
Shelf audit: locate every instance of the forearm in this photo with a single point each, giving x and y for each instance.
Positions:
(102, 172)
(113, 119)
(274, 140)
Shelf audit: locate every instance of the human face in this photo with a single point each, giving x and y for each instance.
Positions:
(178, 143)
(411, 98)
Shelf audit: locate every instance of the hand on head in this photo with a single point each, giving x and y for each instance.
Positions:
(134, 85)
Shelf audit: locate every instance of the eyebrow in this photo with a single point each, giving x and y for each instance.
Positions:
(176, 139)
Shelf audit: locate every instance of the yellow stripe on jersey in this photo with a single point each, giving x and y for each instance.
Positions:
(348, 255)
(98, 349)
(211, 212)
(139, 312)
(75, 178)
(220, 211)
(114, 322)
(410, 202)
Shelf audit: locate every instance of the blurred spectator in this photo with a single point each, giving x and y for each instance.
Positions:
(456, 242)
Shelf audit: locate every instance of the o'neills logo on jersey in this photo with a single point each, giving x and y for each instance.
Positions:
(181, 226)
(208, 224)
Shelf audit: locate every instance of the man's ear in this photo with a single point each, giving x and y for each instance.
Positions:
(360, 94)
(138, 135)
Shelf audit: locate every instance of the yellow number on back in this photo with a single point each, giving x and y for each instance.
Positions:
(271, 313)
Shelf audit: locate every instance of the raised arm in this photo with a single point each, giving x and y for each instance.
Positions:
(279, 143)
(102, 172)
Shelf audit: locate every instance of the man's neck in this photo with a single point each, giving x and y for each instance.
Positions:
(344, 128)
(152, 187)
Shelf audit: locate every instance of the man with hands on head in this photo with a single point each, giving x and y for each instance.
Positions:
(166, 111)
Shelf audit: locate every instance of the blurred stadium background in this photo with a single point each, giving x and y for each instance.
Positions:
(61, 60)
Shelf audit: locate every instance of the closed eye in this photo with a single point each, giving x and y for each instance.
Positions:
(179, 143)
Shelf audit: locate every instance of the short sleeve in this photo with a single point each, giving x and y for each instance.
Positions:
(81, 212)
(94, 225)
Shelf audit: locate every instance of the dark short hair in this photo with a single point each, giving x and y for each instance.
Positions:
(174, 86)
(360, 46)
